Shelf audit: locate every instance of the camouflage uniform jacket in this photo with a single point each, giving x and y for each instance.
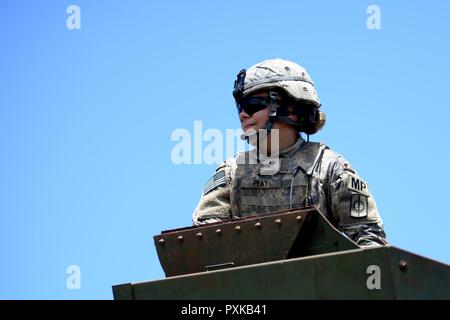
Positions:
(307, 174)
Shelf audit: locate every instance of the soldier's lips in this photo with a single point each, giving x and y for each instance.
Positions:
(248, 126)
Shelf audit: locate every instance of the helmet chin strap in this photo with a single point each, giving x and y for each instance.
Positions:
(257, 134)
(274, 104)
(290, 122)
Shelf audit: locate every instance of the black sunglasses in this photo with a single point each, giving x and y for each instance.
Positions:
(252, 105)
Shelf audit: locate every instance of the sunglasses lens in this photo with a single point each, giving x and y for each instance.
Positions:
(251, 105)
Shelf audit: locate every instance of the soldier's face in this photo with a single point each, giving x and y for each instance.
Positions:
(258, 119)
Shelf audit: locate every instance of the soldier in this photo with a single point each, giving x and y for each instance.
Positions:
(277, 98)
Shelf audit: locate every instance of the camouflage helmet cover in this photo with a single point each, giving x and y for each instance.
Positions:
(277, 73)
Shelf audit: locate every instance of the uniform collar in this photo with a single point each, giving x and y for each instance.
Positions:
(305, 154)
(290, 151)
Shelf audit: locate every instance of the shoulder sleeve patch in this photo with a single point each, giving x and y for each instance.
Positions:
(355, 183)
(216, 181)
(359, 206)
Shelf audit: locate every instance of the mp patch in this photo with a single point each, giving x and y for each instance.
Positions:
(356, 184)
(216, 181)
(359, 206)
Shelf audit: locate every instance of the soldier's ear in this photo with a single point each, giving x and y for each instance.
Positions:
(291, 113)
(293, 117)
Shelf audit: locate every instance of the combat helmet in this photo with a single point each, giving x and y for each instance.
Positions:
(295, 85)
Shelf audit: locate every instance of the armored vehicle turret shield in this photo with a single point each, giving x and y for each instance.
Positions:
(294, 254)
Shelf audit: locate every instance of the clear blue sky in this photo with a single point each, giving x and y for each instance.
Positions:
(86, 117)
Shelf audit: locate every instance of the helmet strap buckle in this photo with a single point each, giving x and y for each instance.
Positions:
(274, 104)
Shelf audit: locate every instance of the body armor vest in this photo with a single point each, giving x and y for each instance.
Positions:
(295, 185)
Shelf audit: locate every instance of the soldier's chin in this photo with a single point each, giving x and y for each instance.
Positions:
(248, 134)
(252, 138)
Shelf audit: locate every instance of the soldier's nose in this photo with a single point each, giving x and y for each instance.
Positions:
(243, 115)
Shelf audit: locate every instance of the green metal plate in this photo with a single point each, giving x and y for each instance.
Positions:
(248, 241)
(341, 275)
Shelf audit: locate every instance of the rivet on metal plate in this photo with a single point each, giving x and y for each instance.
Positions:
(278, 221)
(161, 241)
(237, 228)
(180, 238)
(403, 265)
(219, 232)
(257, 225)
(298, 218)
(199, 235)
